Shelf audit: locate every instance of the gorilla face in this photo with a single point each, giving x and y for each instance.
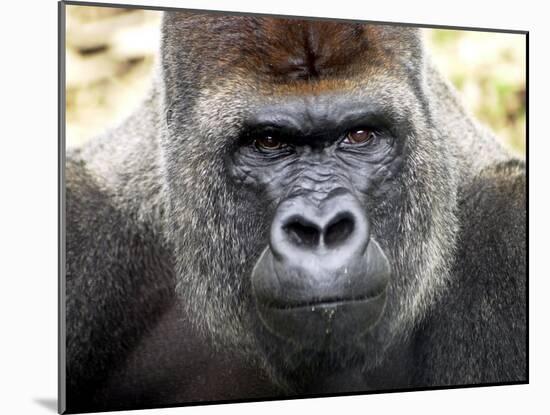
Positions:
(323, 277)
(305, 206)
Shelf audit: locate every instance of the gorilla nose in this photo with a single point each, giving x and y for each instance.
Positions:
(303, 226)
(308, 233)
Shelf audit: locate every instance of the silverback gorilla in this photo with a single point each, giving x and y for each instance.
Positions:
(298, 208)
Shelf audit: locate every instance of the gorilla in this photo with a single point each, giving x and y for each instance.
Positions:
(298, 208)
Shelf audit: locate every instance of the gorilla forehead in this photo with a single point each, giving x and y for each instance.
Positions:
(306, 109)
(286, 48)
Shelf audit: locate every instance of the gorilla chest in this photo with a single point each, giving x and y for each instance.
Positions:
(173, 364)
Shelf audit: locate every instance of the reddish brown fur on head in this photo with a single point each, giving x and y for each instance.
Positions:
(300, 49)
(283, 49)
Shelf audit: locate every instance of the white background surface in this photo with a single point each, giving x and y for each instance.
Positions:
(28, 205)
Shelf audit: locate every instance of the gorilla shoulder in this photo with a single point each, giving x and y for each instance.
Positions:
(108, 252)
(482, 320)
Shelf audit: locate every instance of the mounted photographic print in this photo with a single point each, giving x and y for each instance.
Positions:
(262, 207)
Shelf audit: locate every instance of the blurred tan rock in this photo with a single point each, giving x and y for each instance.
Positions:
(110, 53)
(92, 27)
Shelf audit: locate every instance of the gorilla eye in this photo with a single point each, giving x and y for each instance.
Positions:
(268, 143)
(359, 136)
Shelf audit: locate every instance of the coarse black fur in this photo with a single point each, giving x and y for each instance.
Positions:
(165, 222)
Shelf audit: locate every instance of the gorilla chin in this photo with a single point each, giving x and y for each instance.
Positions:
(322, 280)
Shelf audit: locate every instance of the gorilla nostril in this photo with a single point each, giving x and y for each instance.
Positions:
(301, 232)
(339, 230)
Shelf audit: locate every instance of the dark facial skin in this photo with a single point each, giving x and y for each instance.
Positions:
(317, 161)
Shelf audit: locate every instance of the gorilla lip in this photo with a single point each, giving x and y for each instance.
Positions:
(339, 320)
(333, 301)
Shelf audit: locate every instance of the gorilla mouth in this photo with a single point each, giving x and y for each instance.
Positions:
(314, 324)
(331, 301)
(321, 299)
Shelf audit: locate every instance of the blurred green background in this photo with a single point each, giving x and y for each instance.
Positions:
(110, 55)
